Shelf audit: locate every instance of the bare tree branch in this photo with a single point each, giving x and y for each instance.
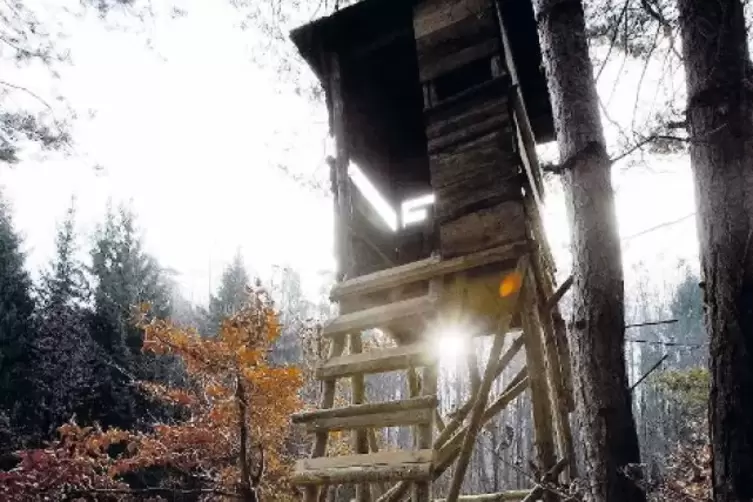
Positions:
(27, 91)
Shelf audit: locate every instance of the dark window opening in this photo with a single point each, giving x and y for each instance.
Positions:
(463, 78)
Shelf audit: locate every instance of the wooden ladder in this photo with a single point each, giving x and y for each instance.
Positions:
(368, 468)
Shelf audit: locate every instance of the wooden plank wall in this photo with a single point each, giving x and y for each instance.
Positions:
(471, 138)
(451, 33)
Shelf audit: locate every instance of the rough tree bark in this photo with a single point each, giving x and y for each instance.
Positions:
(597, 326)
(246, 489)
(720, 122)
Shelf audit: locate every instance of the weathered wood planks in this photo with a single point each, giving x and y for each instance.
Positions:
(376, 316)
(483, 229)
(377, 361)
(452, 33)
(424, 270)
(507, 496)
(368, 468)
(387, 414)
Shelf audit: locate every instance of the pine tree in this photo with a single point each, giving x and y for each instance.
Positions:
(126, 277)
(67, 373)
(16, 309)
(295, 315)
(597, 329)
(687, 307)
(232, 295)
(720, 123)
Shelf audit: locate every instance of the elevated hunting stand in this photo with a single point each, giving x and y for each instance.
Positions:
(439, 103)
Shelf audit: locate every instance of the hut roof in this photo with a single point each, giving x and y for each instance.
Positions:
(370, 24)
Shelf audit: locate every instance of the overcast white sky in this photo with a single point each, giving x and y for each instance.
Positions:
(192, 129)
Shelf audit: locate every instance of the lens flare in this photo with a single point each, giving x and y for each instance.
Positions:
(510, 284)
(450, 345)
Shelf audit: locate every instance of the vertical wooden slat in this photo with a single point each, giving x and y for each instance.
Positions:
(377, 489)
(556, 352)
(554, 375)
(540, 395)
(327, 401)
(341, 182)
(343, 254)
(358, 396)
(527, 139)
(425, 433)
(533, 172)
(549, 314)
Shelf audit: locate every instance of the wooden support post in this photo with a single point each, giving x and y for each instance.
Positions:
(438, 421)
(520, 116)
(540, 395)
(343, 252)
(461, 285)
(327, 401)
(551, 475)
(561, 398)
(425, 433)
(358, 396)
(340, 180)
(473, 371)
(422, 490)
(555, 298)
(555, 336)
(508, 356)
(533, 172)
(377, 489)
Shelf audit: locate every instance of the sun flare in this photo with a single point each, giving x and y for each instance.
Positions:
(450, 346)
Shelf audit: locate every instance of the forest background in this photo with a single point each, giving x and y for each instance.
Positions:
(145, 146)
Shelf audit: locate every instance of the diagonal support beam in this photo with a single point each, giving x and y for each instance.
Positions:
(482, 395)
(462, 412)
(448, 451)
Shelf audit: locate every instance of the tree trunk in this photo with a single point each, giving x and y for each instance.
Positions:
(597, 326)
(720, 122)
(246, 489)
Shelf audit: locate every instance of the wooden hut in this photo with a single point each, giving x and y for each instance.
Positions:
(437, 105)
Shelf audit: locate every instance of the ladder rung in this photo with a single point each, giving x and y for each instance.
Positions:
(414, 411)
(370, 468)
(377, 361)
(423, 270)
(508, 496)
(377, 316)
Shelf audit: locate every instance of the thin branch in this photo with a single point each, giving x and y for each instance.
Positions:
(613, 39)
(29, 92)
(605, 112)
(668, 31)
(657, 227)
(670, 344)
(644, 70)
(557, 296)
(651, 370)
(649, 139)
(20, 49)
(651, 323)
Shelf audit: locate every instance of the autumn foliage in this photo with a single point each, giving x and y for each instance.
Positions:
(232, 393)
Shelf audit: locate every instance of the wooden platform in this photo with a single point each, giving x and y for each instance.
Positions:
(370, 468)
